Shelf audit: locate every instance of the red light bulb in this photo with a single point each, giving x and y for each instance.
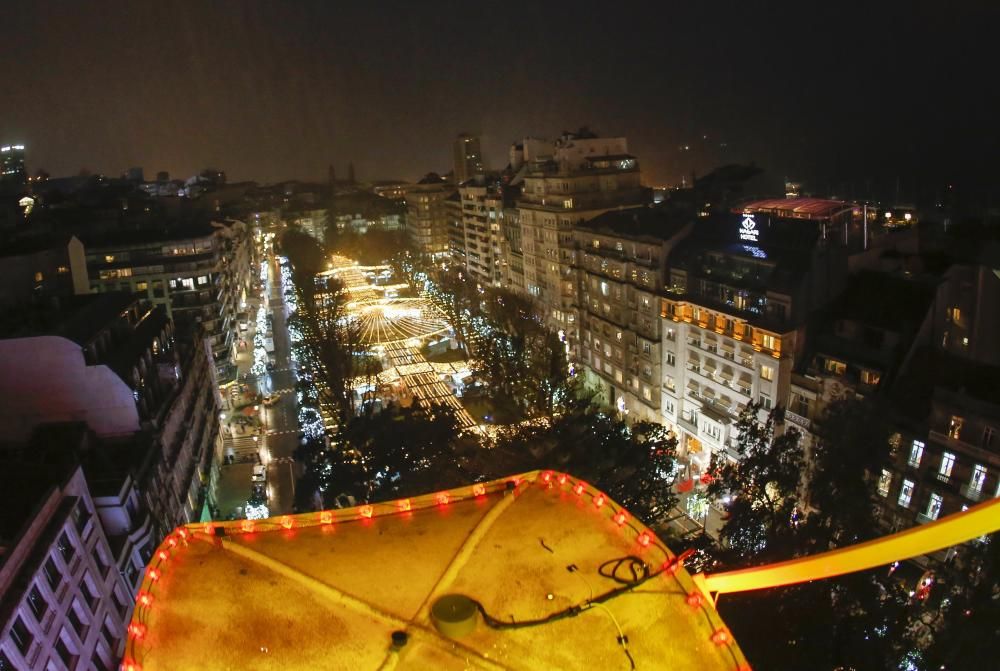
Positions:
(136, 630)
(163, 555)
(404, 505)
(154, 574)
(620, 517)
(171, 541)
(547, 477)
(721, 637)
(129, 665)
(145, 599)
(644, 539)
(694, 600)
(562, 478)
(599, 500)
(479, 489)
(326, 517)
(443, 499)
(182, 532)
(247, 526)
(287, 522)
(578, 490)
(367, 511)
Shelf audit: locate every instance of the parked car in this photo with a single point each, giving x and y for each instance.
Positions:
(259, 475)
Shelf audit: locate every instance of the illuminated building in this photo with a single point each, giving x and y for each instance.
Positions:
(476, 233)
(622, 266)
(63, 603)
(12, 164)
(427, 215)
(582, 176)
(468, 158)
(361, 588)
(200, 274)
(740, 290)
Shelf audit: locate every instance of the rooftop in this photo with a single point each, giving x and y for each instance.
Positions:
(555, 571)
(77, 318)
(651, 222)
(797, 208)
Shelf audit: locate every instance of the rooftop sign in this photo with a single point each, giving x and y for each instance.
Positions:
(748, 229)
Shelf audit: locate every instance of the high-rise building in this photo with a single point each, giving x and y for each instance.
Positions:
(201, 274)
(622, 267)
(581, 177)
(468, 158)
(476, 235)
(427, 215)
(12, 164)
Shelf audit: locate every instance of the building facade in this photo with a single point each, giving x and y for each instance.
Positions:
(427, 216)
(64, 606)
(622, 267)
(468, 158)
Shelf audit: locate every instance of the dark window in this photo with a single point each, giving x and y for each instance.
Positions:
(109, 638)
(66, 549)
(39, 606)
(78, 626)
(88, 593)
(5, 663)
(52, 574)
(120, 605)
(67, 657)
(81, 516)
(97, 662)
(21, 636)
(102, 565)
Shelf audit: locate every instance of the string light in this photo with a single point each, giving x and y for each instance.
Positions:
(404, 505)
(287, 522)
(326, 517)
(599, 500)
(578, 490)
(620, 517)
(479, 489)
(721, 637)
(644, 539)
(162, 554)
(443, 498)
(366, 511)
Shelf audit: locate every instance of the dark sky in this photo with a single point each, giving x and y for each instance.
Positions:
(835, 93)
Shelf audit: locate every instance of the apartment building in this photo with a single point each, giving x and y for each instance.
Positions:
(63, 605)
(582, 177)
(946, 454)
(476, 232)
(739, 295)
(427, 215)
(40, 268)
(201, 274)
(622, 269)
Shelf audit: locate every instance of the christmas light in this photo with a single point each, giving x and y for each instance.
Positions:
(287, 522)
(562, 478)
(145, 599)
(644, 539)
(129, 665)
(578, 490)
(326, 517)
(694, 599)
(183, 533)
(620, 517)
(136, 630)
(366, 511)
(247, 526)
(721, 637)
(547, 477)
(154, 574)
(404, 505)
(162, 554)
(442, 498)
(479, 489)
(599, 500)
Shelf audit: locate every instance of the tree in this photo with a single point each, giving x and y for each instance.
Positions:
(763, 487)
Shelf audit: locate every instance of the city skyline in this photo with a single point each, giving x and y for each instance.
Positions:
(884, 100)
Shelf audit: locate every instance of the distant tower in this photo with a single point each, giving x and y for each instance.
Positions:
(12, 164)
(350, 173)
(468, 158)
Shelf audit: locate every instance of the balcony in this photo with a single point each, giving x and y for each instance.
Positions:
(923, 518)
(798, 420)
(972, 494)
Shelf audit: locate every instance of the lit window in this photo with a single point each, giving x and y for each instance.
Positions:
(62, 270)
(906, 493)
(947, 463)
(916, 452)
(769, 341)
(646, 393)
(978, 478)
(767, 373)
(39, 277)
(956, 314)
(109, 259)
(202, 279)
(955, 427)
(934, 507)
(835, 367)
(884, 481)
(870, 377)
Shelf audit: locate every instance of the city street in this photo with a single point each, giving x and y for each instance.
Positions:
(278, 423)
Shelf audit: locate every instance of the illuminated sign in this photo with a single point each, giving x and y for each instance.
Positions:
(748, 229)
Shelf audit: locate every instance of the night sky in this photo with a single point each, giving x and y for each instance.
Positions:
(836, 94)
